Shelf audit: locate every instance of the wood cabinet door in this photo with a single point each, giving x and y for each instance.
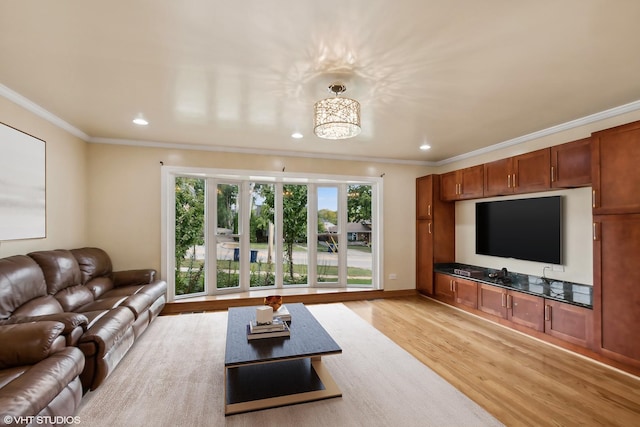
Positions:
(571, 164)
(526, 310)
(449, 186)
(471, 183)
(532, 171)
(424, 197)
(497, 178)
(616, 290)
(443, 288)
(615, 169)
(492, 300)
(466, 293)
(424, 256)
(569, 323)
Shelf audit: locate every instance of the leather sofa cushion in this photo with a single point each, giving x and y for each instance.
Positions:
(29, 343)
(102, 304)
(35, 387)
(99, 286)
(73, 297)
(60, 269)
(39, 307)
(124, 291)
(10, 374)
(94, 316)
(21, 280)
(93, 262)
(154, 290)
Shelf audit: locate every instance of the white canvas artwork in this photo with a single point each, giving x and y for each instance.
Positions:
(22, 185)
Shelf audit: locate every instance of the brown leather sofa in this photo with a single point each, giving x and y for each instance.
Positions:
(97, 310)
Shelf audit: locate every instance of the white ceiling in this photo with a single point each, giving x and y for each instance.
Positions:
(244, 75)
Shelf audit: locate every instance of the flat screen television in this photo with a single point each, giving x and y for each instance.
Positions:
(527, 229)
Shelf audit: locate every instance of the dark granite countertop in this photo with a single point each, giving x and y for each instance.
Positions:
(568, 292)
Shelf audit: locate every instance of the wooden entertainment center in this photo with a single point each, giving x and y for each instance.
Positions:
(607, 161)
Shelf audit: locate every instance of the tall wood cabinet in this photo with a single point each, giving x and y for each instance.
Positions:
(616, 234)
(435, 231)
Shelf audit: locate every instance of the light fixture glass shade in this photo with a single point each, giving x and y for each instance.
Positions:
(336, 118)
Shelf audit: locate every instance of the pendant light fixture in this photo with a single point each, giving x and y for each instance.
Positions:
(337, 117)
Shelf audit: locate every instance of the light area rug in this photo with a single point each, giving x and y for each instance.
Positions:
(174, 375)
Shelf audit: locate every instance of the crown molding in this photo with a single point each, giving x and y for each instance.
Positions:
(238, 150)
(34, 108)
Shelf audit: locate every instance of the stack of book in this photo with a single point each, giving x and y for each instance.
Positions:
(277, 328)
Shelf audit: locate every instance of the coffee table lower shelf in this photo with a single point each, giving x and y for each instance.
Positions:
(272, 384)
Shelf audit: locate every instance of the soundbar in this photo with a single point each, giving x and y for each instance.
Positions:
(476, 274)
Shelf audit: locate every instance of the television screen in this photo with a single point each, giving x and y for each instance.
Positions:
(527, 229)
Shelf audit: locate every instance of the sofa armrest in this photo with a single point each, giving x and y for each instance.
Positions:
(29, 343)
(105, 333)
(133, 277)
(69, 320)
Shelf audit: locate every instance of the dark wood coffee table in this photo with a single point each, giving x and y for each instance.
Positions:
(273, 372)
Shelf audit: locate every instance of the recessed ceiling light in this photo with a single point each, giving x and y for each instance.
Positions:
(296, 135)
(140, 121)
(425, 147)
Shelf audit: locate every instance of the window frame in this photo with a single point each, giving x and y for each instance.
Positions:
(243, 178)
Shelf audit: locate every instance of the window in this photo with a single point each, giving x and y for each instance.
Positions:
(231, 231)
(188, 235)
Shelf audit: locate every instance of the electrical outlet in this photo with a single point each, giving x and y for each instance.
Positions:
(557, 267)
(393, 276)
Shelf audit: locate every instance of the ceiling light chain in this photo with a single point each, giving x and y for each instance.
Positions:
(337, 117)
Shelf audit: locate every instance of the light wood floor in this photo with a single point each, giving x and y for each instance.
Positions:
(520, 380)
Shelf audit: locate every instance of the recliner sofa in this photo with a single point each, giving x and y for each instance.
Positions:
(97, 310)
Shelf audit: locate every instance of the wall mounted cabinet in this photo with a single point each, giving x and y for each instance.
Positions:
(424, 197)
(571, 164)
(525, 173)
(462, 184)
(615, 156)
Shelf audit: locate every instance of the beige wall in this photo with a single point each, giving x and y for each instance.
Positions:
(124, 200)
(578, 243)
(65, 183)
